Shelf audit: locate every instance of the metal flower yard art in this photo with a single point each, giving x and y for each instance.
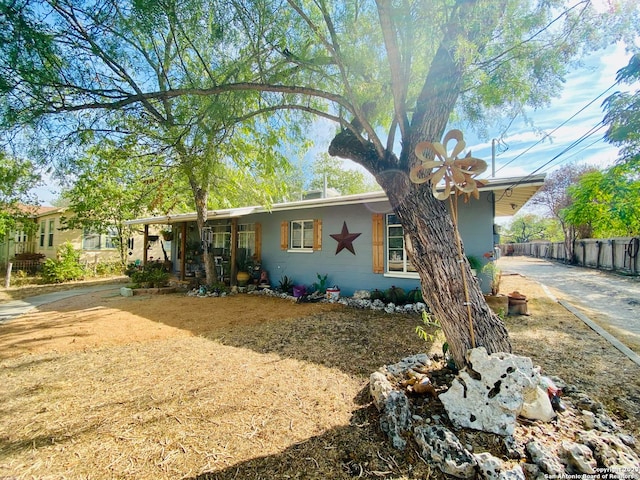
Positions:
(458, 174)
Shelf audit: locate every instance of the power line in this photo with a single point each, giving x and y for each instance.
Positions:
(579, 151)
(592, 131)
(555, 129)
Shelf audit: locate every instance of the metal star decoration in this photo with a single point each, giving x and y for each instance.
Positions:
(345, 239)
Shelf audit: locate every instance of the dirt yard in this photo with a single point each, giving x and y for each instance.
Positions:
(246, 387)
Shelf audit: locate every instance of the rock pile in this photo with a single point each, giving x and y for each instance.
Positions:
(475, 423)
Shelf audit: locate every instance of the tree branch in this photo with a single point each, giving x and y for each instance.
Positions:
(399, 83)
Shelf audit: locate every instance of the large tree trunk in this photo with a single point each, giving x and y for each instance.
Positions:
(431, 243)
(200, 195)
(430, 236)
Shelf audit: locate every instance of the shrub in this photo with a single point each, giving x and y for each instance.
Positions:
(376, 295)
(20, 278)
(286, 285)
(66, 267)
(152, 275)
(108, 268)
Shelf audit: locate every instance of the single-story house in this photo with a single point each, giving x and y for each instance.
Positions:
(355, 240)
(25, 249)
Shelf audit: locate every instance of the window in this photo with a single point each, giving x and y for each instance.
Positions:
(301, 235)
(221, 237)
(52, 224)
(247, 238)
(397, 260)
(21, 236)
(97, 241)
(43, 224)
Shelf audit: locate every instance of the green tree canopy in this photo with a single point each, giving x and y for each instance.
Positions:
(114, 183)
(622, 115)
(347, 181)
(607, 202)
(528, 227)
(17, 178)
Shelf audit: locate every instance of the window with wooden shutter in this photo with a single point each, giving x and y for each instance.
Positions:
(378, 242)
(301, 235)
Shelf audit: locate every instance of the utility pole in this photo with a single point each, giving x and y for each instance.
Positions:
(493, 158)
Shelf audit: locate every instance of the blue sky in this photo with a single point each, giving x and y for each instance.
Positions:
(582, 86)
(525, 155)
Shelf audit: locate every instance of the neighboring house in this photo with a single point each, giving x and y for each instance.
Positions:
(51, 233)
(355, 240)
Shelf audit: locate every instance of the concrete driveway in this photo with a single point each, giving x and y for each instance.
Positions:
(606, 298)
(15, 308)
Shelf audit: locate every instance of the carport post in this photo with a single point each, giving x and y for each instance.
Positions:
(183, 251)
(145, 243)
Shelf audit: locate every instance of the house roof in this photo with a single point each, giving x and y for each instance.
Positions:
(37, 210)
(510, 194)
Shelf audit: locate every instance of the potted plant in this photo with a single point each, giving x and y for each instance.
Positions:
(167, 235)
(244, 265)
(495, 275)
(475, 264)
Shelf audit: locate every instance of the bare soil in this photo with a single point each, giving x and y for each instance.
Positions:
(246, 387)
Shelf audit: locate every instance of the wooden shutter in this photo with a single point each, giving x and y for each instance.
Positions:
(378, 242)
(284, 235)
(258, 236)
(317, 234)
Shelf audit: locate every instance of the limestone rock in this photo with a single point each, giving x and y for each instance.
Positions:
(492, 468)
(442, 448)
(395, 419)
(609, 450)
(489, 466)
(362, 294)
(514, 473)
(489, 395)
(579, 457)
(544, 459)
(379, 388)
(408, 363)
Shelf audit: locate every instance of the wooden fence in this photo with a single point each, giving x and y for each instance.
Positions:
(615, 254)
(30, 266)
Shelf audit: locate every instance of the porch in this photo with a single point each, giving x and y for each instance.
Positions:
(233, 245)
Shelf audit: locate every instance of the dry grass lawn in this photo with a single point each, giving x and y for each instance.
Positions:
(246, 387)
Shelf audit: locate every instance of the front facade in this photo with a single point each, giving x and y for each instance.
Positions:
(356, 240)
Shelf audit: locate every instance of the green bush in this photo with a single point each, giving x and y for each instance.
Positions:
(65, 268)
(108, 268)
(414, 296)
(153, 275)
(20, 278)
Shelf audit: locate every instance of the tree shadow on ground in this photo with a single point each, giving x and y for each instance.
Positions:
(357, 450)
